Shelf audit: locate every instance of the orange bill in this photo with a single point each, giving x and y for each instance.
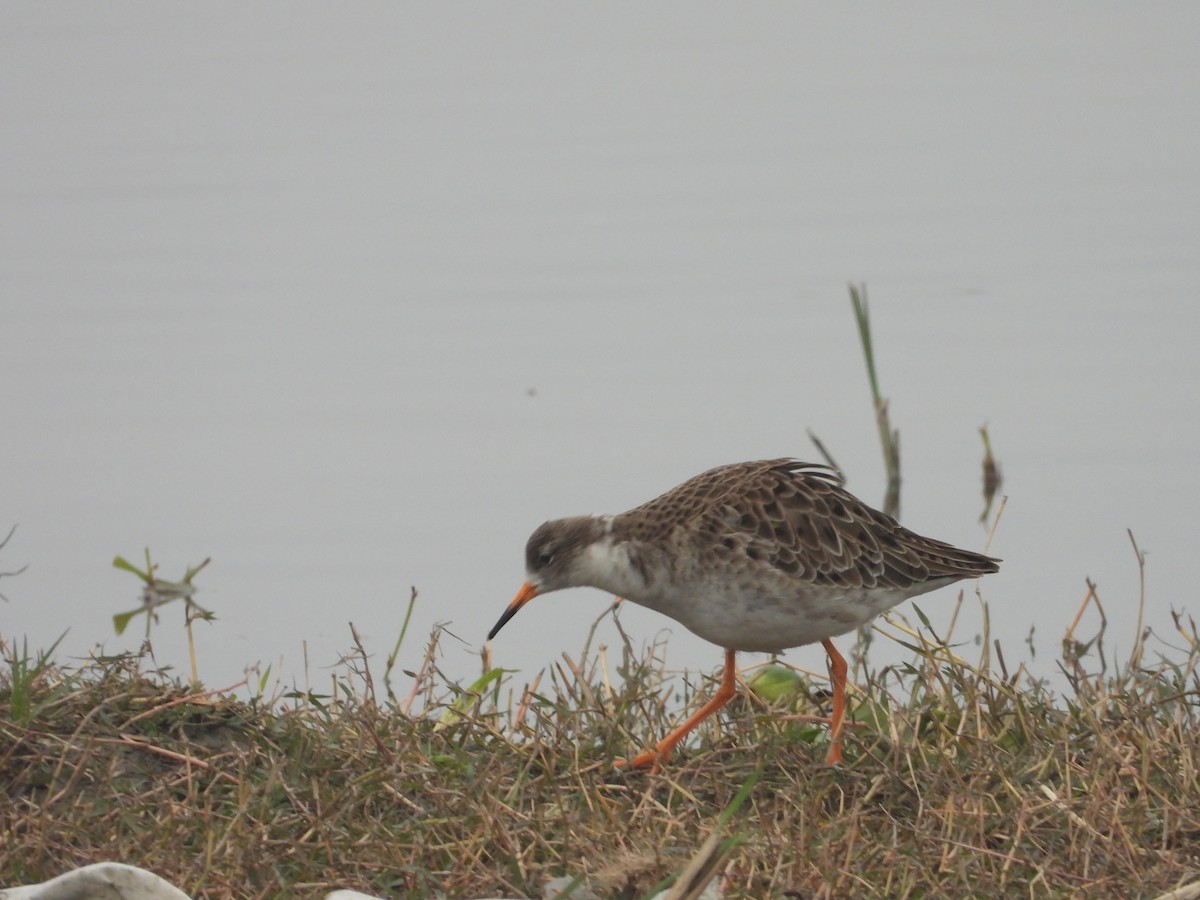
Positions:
(524, 595)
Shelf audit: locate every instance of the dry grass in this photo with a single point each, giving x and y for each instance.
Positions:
(959, 782)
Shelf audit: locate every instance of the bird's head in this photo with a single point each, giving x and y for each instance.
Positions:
(556, 557)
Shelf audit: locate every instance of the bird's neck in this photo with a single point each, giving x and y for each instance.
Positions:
(607, 565)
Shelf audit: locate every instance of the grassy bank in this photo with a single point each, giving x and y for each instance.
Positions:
(959, 781)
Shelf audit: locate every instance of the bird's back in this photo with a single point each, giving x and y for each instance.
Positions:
(798, 520)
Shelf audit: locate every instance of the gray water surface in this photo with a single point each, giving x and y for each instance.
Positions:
(351, 299)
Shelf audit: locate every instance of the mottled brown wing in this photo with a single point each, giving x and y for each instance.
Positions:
(797, 517)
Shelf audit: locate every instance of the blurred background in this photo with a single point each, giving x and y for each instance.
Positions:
(352, 298)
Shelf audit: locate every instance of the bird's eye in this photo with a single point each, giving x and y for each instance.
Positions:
(544, 558)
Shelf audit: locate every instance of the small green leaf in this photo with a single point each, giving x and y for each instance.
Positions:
(774, 683)
(120, 562)
(457, 710)
(121, 620)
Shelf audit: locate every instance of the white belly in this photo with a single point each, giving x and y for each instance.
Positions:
(750, 620)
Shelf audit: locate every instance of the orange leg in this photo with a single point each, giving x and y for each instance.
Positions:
(662, 750)
(837, 676)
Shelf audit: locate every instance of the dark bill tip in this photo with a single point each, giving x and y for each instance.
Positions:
(527, 593)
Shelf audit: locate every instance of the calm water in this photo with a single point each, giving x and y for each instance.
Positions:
(352, 300)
